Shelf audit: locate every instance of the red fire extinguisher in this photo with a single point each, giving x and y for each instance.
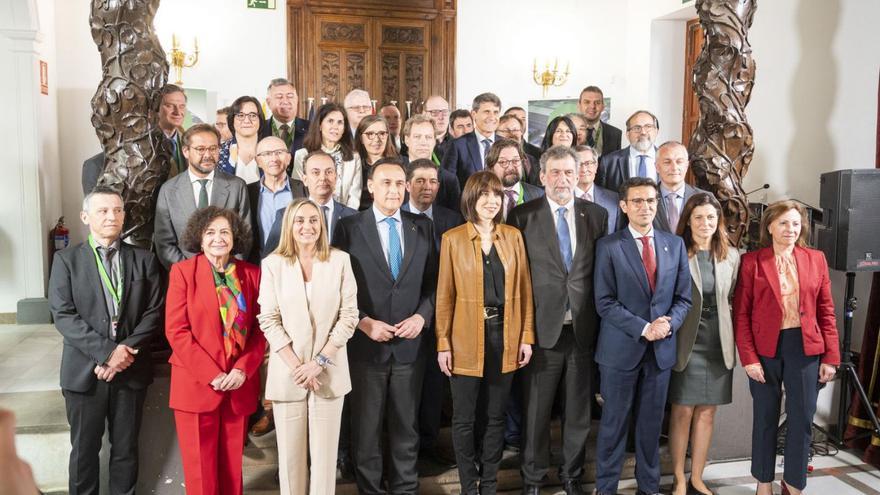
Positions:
(59, 237)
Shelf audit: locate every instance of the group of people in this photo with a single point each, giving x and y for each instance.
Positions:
(296, 261)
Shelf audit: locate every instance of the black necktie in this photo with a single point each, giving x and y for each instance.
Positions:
(591, 139)
(284, 133)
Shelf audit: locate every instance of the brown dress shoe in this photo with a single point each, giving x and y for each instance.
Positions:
(266, 423)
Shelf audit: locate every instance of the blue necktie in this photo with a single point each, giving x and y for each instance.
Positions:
(643, 165)
(486, 144)
(395, 257)
(564, 236)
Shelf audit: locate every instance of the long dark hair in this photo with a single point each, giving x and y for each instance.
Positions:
(551, 128)
(236, 108)
(719, 243)
(313, 140)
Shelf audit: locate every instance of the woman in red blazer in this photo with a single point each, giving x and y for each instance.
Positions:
(786, 334)
(211, 324)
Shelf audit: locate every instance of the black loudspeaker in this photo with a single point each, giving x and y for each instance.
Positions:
(850, 233)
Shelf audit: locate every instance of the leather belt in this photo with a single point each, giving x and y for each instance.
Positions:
(490, 312)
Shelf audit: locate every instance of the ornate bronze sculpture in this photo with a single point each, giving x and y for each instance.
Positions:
(722, 147)
(125, 107)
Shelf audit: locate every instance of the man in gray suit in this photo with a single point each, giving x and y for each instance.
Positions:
(672, 166)
(505, 159)
(200, 186)
(586, 187)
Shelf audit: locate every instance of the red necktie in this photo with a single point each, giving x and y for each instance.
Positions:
(649, 261)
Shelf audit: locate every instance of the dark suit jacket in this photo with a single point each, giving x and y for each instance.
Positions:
(76, 298)
(614, 169)
(464, 157)
(532, 173)
(300, 128)
(441, 147)
(379, 295)
(92, 169)
(625, 301)
(661, 221)
(444, 219)
(258, 249)
(531, 192)
(610, 138)
(610, 201)
(552, 285)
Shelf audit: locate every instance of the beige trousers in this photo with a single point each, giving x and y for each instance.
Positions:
(307, 431)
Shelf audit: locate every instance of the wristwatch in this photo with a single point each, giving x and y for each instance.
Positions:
(323, 361)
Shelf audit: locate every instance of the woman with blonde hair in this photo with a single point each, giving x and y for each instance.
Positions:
(307, 325)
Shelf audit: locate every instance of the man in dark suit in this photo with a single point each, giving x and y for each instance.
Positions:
(587, 189)
(419, 135)
(511, 127)
(437, 108)
(560, 234)
(106, 300)
(201, 185)
(643, 292)
(422, 185)
(394, 260)
(319, 178)
(468, 153)
(505, 160)
(172, 111)
(672, 166)
(270, 196)
(602, 136)
(283, 102)
(637, 159)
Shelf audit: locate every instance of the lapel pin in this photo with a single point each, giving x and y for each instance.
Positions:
(666, 248)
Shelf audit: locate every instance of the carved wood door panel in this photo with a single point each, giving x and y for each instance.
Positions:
(403, 50)
(343, 54)
(693, 47)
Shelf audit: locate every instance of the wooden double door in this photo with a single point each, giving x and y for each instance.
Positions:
(398, 51)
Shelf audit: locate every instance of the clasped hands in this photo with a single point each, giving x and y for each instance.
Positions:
(305, 375)
(225, 382)
(120, 359)
(658, 329)
(380, 331)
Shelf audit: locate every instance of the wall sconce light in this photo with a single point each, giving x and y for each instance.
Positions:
(180, 59)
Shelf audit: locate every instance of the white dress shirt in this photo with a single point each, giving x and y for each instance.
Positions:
(331, 205)
(414, 209)
(650, 164)
(383, 227)
(197, 186)
(590, 192)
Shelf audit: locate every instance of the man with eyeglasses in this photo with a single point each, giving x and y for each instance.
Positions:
(560, 233)
(672, 166)
(437, 108)
(587, 189)
(419, 135)
(283, 101)
(643, 292)
(200, 186)
(357, 106)
(532, 151)
(270, 196)
(637, 159)
(505, 160)
(512, 127)
(602, 136)
(468, 153)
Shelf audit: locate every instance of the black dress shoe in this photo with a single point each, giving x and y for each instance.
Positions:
(531, 490)
(436, 456)
(573, 487)
(642, 492)
(691, 490)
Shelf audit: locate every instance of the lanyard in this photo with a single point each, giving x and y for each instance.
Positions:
(519, 196)
(435, 159)
(115, 292)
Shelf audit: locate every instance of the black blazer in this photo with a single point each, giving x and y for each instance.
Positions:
(532, 175)
(258, 249)
(464, 157)
(444, 219)
(552, 285)
(76, 299)
(381, 297)
(661, 220)
(531, 192)
(300, 128)
(92, 169)
(610, 138)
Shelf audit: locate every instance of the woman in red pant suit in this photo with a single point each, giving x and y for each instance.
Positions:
(786, 335)
(211, 324)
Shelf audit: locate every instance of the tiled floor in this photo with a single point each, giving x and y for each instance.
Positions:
(30, 358)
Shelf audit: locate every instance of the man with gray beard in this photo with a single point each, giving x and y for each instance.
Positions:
(637, 159)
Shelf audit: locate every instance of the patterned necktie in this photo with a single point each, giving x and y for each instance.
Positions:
(486, 145)
(591, 138)
(511, 201)
(643, 165)
(648, 261)
(395, 257)
(284, 133)
(564, 237)
(203, 193)
(672, 213)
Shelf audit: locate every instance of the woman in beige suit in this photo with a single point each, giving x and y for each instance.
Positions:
(703, 373)
(308, 301)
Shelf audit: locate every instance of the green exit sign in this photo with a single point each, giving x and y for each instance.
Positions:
(261, 4)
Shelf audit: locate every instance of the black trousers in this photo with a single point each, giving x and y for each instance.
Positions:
(121, 408)
(433, 394)
(800, 376)
(385, 392)
(568, 364)
(488, 394)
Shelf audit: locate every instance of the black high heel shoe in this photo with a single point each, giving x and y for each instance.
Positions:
(692, 490)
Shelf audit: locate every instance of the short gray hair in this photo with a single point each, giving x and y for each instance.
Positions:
(586, 147)
(279, 81)
(99, 190)
(354, 94)
(558, 152)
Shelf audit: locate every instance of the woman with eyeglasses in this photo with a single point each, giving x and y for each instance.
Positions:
(373, 144)
(329, 132)
(238, 156)
(560, 131)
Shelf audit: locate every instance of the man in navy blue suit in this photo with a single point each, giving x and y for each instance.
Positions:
(586, 188)
(637, 159)
(643, 292)
(468, 153)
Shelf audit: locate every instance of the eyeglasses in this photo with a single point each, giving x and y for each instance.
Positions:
(360, 108)
(374, 135)
(640, 202)
(437, 113)
(247, 116)
(516, 162)
(201, 150)
(275, 153)
(639, 128)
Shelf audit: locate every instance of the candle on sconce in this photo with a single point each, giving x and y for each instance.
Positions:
(174, 41)
(196, 43)
(323, 100)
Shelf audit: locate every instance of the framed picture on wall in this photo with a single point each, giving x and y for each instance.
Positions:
(541, 112)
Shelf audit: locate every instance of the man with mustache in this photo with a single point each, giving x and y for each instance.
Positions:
(637, 159)
(200, 186)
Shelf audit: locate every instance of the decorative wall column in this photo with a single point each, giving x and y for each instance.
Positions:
(722, 146)
(125, 108)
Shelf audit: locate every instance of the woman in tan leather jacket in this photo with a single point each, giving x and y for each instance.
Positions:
(484, 325)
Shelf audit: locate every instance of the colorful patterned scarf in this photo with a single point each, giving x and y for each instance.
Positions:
(233, 310)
